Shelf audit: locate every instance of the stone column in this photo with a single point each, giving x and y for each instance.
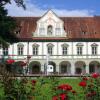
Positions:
(87, 68)
(42, 68)
(72, 68)
(57, 68)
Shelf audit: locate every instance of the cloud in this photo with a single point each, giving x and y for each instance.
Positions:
(34, 10)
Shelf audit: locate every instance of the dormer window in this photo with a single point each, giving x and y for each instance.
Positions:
(18, 30)
(50, 30)
(84, 32)
(50, 25)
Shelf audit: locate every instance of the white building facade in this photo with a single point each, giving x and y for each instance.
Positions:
(67, 56)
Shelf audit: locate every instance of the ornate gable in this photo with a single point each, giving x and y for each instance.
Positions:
(50, 25)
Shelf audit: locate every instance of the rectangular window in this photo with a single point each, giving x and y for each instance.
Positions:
(5, 51)
(64, 50)
(20, 50)
(58, 31)
(79, 50)
(50, 50)
(41, 31)
(35, 50)
(94, 50)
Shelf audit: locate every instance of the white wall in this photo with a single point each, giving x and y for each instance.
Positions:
(57, 48)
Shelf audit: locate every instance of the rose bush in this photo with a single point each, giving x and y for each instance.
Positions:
(91, 87)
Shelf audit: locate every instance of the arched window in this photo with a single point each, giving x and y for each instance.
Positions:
(20, 49)
(50, 30)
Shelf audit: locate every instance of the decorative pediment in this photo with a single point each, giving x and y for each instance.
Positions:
(79, 44)
(50, 25)
(94, 44)
(35, 45)
(50, 45)
(64, 45)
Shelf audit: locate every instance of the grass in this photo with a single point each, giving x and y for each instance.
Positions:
(44, 91)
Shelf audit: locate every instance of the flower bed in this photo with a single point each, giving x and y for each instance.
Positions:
(50, 88)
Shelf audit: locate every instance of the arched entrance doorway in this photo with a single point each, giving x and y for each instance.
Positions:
(34, 67)
(65, 67)
(50, 63)
(17, 68)
(80, 67)
(94, 66)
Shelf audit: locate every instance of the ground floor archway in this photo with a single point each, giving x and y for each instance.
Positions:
(65, 67)
(17, 68)
(34, 67)
(80, 67)
(50, 63)
(94, 66)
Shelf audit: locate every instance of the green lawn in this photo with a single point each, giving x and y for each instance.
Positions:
(44, 91)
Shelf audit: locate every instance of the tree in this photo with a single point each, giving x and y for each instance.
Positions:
(7, 23)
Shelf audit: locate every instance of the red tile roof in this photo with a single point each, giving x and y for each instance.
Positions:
(75, 27)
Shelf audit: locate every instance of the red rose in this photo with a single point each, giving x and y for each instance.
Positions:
(85, 78)
(33, 81)
(62, 96)
(83, 84)
(54, 98)
(65, 87)
(95, 75)
(10, 61)
(69, 87)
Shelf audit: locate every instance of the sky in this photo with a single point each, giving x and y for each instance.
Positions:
(70, 8)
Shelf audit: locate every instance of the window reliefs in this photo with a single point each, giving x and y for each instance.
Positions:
(20, 49)
(50, 49)
(35, 49)
(65, 49)
(79, 49)
(94, 47)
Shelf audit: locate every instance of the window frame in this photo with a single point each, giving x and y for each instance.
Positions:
(79, 50)
(94, 50)
(50, 32)
(5, 51)
(20, 49)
